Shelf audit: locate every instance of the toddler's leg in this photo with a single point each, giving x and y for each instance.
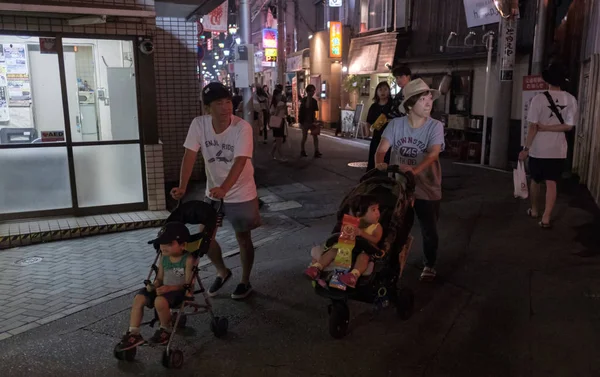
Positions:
(361, 264)
(137, 313)
(327, 258)
(164, 312)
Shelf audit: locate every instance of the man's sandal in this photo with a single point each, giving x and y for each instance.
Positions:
(530, 214)
(544, 225)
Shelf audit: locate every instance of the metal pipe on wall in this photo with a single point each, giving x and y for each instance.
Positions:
(245, 26)
(539, 40)
(489, 39)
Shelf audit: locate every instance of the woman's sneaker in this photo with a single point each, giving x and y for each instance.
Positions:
(160, 337)
(312, 272)
(428, 274)
(130, 341)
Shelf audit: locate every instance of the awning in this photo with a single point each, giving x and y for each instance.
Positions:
(187, 9)
(298, 61)
(370, 54)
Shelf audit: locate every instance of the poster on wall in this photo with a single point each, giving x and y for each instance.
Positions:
(216, 21)
(4, 114)
(17, 74)
(295, 97)
(532, 86)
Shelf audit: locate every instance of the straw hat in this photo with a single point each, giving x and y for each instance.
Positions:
(416, 87)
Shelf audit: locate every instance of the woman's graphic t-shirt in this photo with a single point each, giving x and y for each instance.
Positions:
(409, 147)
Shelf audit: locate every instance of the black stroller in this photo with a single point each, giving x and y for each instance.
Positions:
(379, 284)
(197, 213)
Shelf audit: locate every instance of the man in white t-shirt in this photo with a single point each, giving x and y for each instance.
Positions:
(550, 115)
(226, 144)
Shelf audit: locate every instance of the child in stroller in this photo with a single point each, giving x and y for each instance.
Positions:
(172, 292)
(366, 207)
(379, 284)
(167, 291)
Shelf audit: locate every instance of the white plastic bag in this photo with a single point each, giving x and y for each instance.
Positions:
(520, 180)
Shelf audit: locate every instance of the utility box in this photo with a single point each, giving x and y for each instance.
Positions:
(243, 67)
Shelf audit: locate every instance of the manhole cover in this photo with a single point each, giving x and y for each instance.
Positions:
(361, 164)
(28, 261)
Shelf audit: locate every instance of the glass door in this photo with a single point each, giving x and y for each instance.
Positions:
(33, 150)
(102, 96)
(69, 130)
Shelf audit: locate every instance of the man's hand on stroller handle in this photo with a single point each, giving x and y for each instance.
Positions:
(178, 192)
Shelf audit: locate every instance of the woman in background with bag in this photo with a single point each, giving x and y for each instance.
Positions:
(277, 119)
(550, 115)
(378, 117)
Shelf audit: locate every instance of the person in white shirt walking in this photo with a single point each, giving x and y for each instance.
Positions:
(226, 144)
(550, 115)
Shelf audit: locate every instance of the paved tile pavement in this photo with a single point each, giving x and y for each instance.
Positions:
(77, 274)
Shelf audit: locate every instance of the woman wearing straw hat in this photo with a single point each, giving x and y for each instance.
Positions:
(416, 142)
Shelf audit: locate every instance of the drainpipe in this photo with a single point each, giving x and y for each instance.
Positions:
(245, 22)
(539, 41)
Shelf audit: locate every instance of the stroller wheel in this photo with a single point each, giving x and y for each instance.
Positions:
(405, 303)
(127, 355)
(219, 326)
(339, 316)
(172, 359)
(182, 320)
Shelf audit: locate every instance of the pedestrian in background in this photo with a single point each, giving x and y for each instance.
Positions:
(308, 120)
(378, 118)
(416, 141)
(550, 115)
(403, 76)
(277, 123)
(263, 103)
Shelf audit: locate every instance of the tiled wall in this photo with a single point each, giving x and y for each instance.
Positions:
(155, 177)
(147, 5)
(84, 61)
(122, 25)
(178, 90)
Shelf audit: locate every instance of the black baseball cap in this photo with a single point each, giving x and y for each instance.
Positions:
(214, 92)
(173, 231)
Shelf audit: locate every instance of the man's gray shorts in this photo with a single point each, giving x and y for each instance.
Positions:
(243, 216)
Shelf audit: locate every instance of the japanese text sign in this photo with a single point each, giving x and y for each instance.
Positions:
(335, 39)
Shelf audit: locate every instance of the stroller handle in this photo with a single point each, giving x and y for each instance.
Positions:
(410, 177)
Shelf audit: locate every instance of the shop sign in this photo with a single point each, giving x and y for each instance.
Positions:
(335, 3)
(209, 44)
(364, 61)
(335, 39)
(294, 63)
(48, 46)
(508, 47)
(532, 86)
(481, 12)
(216, 21)
(53, 136)
(269, 38)
(271, 55)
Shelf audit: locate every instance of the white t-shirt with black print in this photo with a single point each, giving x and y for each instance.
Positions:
(551, 144)
(219, 152)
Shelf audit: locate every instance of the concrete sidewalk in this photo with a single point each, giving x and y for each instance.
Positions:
(510, 299)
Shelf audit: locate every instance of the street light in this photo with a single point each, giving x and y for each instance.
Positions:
(310, 36)
(232, 29)
(344, 69)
